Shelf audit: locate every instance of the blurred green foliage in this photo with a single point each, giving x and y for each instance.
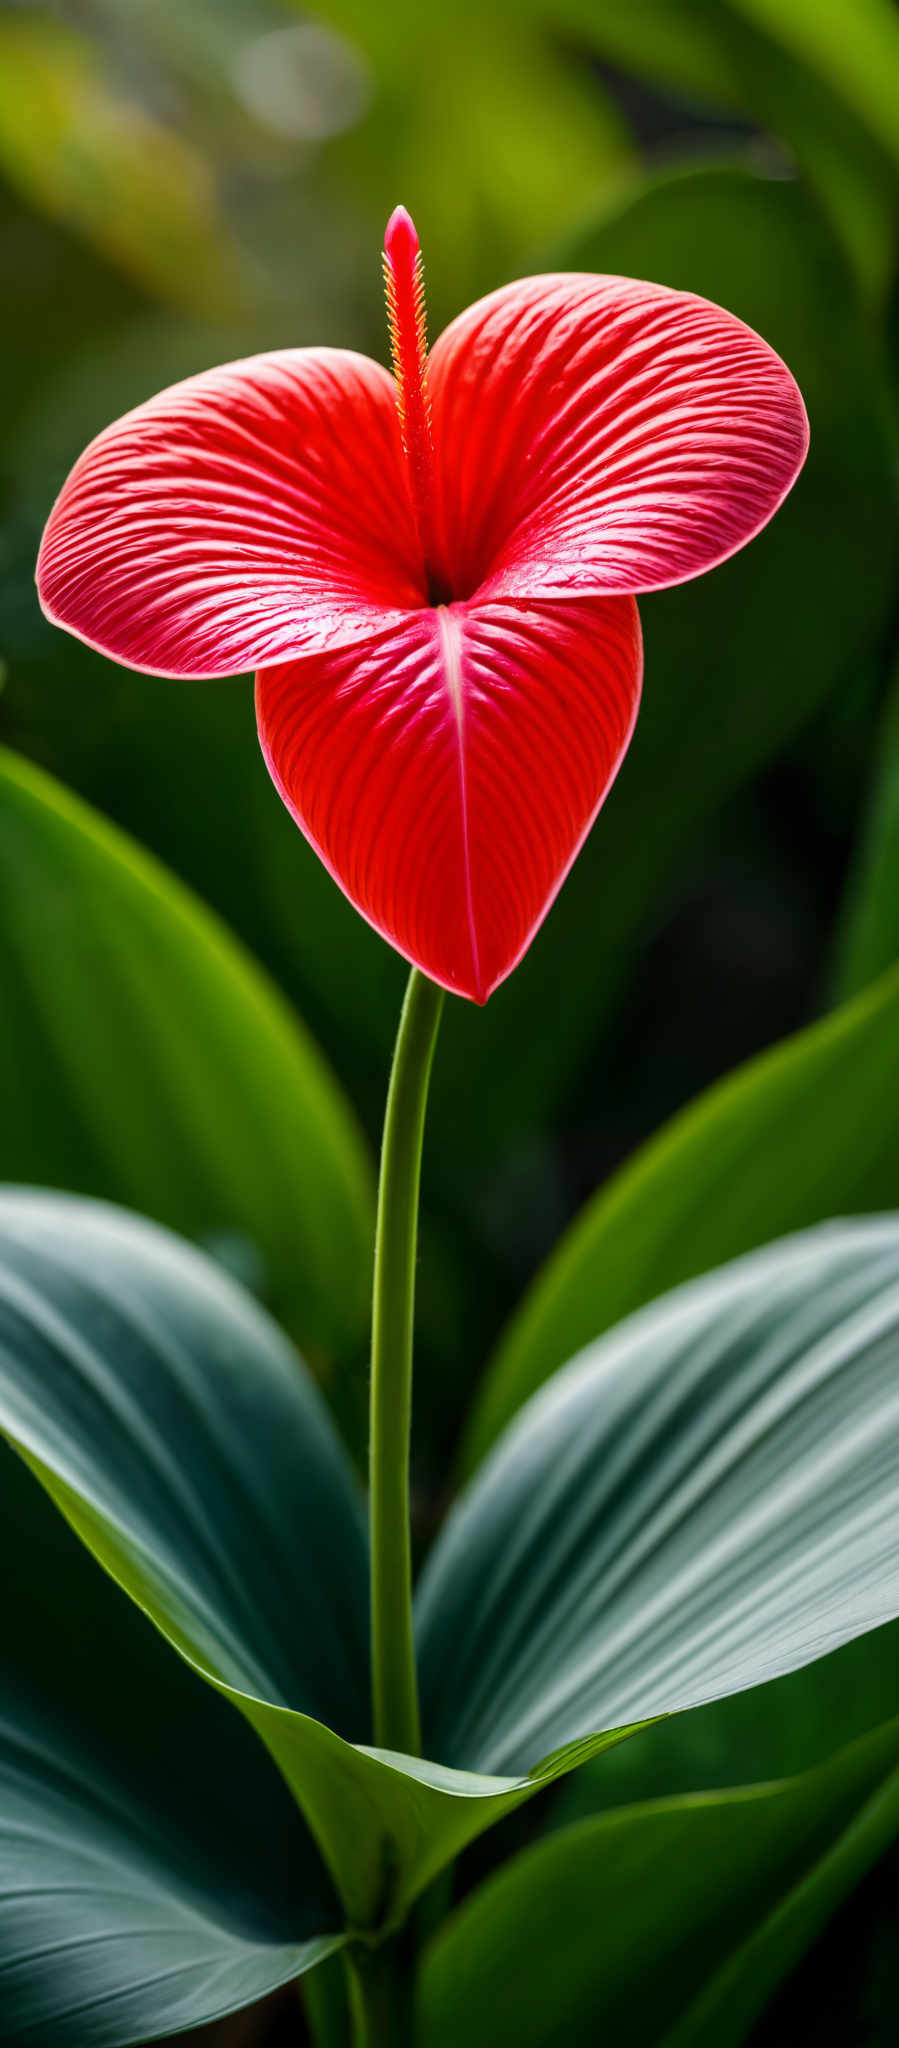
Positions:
(869, 934)
(186, 180)
(98, 161)
(151, 1055)
(817, 75)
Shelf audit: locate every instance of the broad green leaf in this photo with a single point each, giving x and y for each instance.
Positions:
(187, 1437)
(735, 661)
(869, 939)
(153, 1869)
(84, 150)
(188, 1448)
(705, 1499)
(774, 1731)
(743, 1432)
(662, 1925)
(145, 1058)
(756, 1156)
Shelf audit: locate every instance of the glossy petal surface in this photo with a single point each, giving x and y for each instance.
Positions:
(238, 517)
(598, 434)
(448, 771)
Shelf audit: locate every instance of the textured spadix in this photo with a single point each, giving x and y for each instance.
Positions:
(435, 577)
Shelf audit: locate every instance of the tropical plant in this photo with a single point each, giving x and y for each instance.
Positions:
(435, 576)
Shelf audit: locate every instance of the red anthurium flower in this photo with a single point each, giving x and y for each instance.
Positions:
(435, 573)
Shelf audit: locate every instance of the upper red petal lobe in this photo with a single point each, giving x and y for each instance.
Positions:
(448, 771)
(237, 518)
(596, 434)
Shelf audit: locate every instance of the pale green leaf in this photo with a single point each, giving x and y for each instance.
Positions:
(81, 148)
(755, 1156)
(705, 1499)
(773, 1731)
(732, 1451)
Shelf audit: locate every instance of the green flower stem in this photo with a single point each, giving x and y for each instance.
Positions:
(326, 1994)
(394, 1680)
(382, 1995)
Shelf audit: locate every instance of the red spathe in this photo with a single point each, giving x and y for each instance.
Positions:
(576, 440)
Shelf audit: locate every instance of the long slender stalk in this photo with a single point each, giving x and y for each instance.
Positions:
(394, 1680)
(382, 1996)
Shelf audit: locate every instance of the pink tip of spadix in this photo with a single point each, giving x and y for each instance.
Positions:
(400, 238)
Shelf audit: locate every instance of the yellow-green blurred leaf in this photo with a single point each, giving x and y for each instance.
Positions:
(89, 155)
(488, 132)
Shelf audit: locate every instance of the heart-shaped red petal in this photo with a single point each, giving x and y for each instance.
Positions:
(448, 771)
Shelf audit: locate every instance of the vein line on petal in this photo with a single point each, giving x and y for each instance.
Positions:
(451, 652)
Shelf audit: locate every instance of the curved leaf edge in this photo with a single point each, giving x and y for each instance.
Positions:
(421, 1813)
(306, 1957)
(385, 1824)
(499, 1399)
(857, 1843)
